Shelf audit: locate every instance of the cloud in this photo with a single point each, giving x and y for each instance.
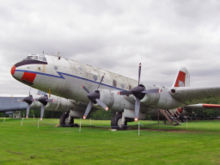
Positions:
(116, 35)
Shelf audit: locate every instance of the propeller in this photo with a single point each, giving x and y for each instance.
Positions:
(94, 98)
(29, 100)
(139, 92)
(44, 100)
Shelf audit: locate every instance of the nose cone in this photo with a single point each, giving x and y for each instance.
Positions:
(13, 70)
(21, 73)
(17, 75)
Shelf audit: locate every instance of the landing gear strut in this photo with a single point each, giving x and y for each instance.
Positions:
(67, 121)
(118, 122)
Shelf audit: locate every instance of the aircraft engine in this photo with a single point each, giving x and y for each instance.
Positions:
(151, 99)
(59, 104)
(115, 101)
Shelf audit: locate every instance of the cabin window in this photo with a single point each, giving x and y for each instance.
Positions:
(114, 83)
(122, 86)
(55, 67)
(95, 77)
(80, 69)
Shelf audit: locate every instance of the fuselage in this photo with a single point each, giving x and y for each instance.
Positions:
(65, 78)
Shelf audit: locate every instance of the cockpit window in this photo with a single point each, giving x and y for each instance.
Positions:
(36, 57)
(41, 58)
(33, 59)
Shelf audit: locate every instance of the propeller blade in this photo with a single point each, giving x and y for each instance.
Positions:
(101, 81)
(125, 92)
(149, 91)
(100, 103)
(94, 96)
(85, 89)
(27, 111)
(42, 112)
(139, 73)
(137, 109)
(88, 109)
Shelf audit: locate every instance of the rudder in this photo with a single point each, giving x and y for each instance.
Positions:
(183, 78)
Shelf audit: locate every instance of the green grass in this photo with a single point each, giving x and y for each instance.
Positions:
(190, 143)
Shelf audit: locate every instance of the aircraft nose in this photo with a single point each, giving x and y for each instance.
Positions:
(15, 73)
(21, 73)
(13, 69)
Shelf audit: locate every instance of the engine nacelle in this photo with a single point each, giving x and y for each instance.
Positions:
(59, 104)
(115, 101)
(151, 99)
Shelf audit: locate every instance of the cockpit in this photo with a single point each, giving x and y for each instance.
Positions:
(36, 57)
(33, 59)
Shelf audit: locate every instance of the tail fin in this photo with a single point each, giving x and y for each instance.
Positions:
(183, 78)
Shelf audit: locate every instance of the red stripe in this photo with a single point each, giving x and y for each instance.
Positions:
(29, 77)
(211, 105)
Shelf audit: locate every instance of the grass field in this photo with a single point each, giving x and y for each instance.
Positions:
(22, 142)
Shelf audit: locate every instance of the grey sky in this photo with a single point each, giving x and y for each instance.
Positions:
(116, 35)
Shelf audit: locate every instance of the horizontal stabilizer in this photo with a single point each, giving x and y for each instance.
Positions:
(203, 106)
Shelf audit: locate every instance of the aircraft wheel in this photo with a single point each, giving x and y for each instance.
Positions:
(116, 122)
(67, 121)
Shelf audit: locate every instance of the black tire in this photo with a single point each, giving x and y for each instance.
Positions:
(116, 120)
(71, 123)
(63, 118)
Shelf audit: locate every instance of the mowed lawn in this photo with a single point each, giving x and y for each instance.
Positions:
(22, 142)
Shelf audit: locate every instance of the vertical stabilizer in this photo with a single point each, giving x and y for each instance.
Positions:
(183, 78)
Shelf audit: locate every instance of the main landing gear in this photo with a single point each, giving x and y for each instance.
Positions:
(118, 122)
(67, 121)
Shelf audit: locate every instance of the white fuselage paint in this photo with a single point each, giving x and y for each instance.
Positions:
(65, 78)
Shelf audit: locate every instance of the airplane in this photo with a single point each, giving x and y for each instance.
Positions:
(14, 103)
(91, 87)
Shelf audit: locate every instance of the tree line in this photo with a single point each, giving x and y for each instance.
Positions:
(193, 114)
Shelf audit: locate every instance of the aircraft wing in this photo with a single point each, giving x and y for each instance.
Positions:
(189, 95)
(11, 103)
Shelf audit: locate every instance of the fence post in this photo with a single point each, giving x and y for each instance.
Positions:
(80, 123)
(139, 131)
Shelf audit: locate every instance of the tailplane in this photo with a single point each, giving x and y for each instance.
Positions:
(183, 78)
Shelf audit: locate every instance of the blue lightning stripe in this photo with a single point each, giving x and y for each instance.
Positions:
(61, 76)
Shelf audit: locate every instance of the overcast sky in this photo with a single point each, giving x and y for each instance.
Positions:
(116, 35)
